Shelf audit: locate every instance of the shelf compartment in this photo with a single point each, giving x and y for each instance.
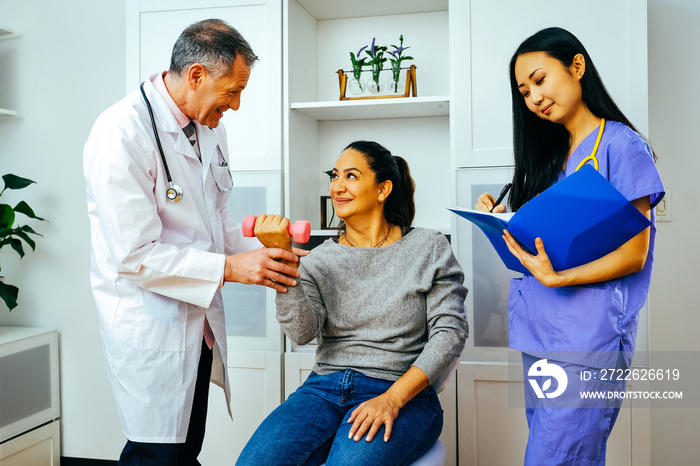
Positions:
(339, 9)
(410, 107)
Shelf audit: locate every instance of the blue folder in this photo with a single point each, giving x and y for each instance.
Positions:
(580, 219)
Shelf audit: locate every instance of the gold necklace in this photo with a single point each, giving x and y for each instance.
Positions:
(376, 245)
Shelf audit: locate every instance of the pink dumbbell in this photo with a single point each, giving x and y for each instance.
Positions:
(300, 231)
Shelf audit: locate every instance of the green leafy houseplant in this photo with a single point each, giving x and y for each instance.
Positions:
(357, 65)
(14, 236)
(376, 54)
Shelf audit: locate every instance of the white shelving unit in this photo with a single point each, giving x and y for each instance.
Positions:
(412, 107)
(6, 33)
(318, 36)
(318, 126)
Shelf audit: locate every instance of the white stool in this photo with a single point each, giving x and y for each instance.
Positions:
(433, 457)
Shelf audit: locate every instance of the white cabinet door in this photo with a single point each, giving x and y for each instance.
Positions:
(255, 392)
(38, 447)
(255, 142)
(489, 378)
(255, 130)
(614, 33)
(250, 310)
(493, 428)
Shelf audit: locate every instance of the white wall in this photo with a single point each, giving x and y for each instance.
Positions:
(67, 65)
(674, 123)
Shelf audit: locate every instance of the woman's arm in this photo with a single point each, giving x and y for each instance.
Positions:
(628, 258)
(384, 409)
(300, 311)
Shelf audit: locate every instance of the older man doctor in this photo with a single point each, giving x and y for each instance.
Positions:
(164, 243)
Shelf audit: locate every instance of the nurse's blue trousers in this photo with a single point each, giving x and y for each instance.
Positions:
(570, 429)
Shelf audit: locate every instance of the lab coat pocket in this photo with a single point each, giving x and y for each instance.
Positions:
(160, 324)
(224, 184)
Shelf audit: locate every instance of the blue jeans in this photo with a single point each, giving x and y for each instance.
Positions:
(311, 426)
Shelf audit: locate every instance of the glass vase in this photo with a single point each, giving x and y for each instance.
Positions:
(376, 84)
(356, 87)
(398, 86)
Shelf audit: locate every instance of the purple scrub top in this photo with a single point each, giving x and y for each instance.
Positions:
(589, 324)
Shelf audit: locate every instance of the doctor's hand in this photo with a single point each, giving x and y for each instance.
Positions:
(263, 267)
(539, 266)
(485, 203)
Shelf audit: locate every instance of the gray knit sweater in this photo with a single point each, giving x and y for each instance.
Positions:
(379, 311)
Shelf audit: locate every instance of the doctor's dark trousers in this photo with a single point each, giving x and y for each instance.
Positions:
(178, 454)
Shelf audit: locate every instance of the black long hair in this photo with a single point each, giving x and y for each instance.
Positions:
(540, 146)
(399, 206)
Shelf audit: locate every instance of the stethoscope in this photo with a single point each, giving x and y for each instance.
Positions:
(174, 192)
(595, 148)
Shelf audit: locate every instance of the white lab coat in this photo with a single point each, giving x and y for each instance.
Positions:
(156, 265)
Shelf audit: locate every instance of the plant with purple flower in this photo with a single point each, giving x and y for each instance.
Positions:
(376, 53)
(396, 58)
(357, 65)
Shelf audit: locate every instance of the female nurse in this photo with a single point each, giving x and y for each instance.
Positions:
(582, 319)
(385, 303)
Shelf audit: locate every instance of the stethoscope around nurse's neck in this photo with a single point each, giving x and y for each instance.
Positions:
(174, 192)
(595, 148)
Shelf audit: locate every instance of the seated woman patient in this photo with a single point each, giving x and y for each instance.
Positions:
(385, 303)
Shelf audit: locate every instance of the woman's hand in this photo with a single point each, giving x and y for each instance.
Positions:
(371, 415)
(539, 266)
(384, 409)
(272, 231)
(485, 203)
(628, 258)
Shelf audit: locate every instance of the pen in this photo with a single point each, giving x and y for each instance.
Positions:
(504, 191)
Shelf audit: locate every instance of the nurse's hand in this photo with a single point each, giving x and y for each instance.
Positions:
(539, 266)
(263, 267)
(485, 203)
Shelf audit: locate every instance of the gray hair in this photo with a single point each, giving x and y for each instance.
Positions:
(214, 44)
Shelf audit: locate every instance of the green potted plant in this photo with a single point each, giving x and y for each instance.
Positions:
(14, 235)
